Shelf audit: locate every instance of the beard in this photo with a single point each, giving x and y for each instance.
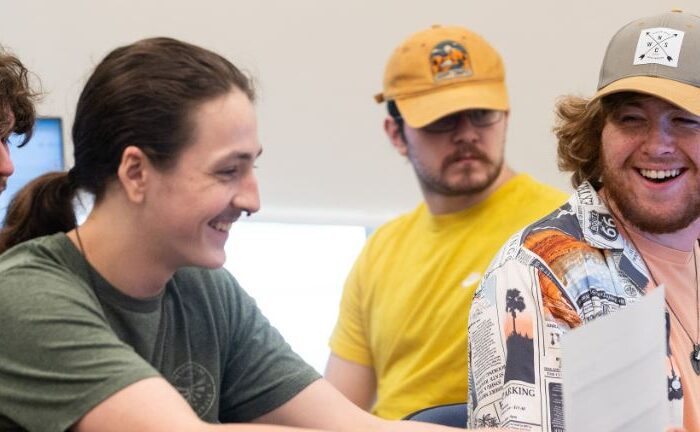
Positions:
(653, 218)
(435, 180)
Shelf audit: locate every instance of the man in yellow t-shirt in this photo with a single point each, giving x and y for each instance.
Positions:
(400, 341)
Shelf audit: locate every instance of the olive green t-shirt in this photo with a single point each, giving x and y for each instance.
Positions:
(69, 340)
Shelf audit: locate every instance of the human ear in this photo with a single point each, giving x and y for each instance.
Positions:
(396, 135)
(133, 172)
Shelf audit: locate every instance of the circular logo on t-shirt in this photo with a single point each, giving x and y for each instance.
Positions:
(196, 385)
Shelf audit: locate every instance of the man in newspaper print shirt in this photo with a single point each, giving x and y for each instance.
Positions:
(632, 224)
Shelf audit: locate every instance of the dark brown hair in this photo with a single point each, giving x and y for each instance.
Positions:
(16, 97)
(26, 217)
(140, 95)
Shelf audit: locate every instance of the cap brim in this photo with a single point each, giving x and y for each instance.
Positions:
(683, 95)
(421, 110)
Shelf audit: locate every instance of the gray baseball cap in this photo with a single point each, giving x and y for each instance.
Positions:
(659, 56)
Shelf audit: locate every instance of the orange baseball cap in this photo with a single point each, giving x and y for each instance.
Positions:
(443, 70)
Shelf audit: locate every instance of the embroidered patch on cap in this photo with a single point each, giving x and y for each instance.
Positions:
(659, 45)
(448, 59)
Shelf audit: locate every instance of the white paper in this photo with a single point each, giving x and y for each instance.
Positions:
(614, 370)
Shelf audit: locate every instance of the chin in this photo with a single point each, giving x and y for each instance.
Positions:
(216, 263)
(666, 222)
(211, 261)
(653, 215)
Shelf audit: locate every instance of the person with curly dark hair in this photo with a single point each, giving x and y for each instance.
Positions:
(17, 112)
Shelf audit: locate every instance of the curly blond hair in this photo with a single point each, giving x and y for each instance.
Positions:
(578, 128)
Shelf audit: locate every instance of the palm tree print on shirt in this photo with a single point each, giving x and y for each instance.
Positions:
(520, 357)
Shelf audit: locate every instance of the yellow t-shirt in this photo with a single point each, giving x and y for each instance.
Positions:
(406, 301)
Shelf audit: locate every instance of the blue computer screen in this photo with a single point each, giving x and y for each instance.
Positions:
(43, 153)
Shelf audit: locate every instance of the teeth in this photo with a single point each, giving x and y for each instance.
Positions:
(660, 174)
(221, 226)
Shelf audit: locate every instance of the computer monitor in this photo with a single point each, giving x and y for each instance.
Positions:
(43, 153)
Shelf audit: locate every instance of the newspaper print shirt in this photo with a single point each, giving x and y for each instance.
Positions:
(560, 272)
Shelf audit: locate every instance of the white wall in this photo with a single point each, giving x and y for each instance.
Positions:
(318, 63)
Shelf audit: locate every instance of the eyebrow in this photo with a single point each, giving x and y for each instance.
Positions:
(245, 156)
(636, 102)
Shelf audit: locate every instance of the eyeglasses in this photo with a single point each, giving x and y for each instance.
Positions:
(477, 117)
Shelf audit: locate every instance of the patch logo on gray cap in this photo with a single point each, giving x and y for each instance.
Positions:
(659, 45)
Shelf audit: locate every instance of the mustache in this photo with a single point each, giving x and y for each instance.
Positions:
(472, 153)
(3, 184)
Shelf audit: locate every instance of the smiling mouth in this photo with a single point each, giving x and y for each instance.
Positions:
(660, 176)
(221, 226)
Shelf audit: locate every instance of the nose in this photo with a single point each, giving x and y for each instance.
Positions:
(465, 132)
(660, 138)
(6, 167)
(248, 196)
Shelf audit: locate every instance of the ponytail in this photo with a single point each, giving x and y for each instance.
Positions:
(42, 207)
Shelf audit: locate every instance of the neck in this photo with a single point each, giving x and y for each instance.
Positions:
(113, 246)
(682, 240)
(440, 204)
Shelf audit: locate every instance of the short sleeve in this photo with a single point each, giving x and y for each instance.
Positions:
(349, 339)
(58, 356)
(262, 372)
(508, 344)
